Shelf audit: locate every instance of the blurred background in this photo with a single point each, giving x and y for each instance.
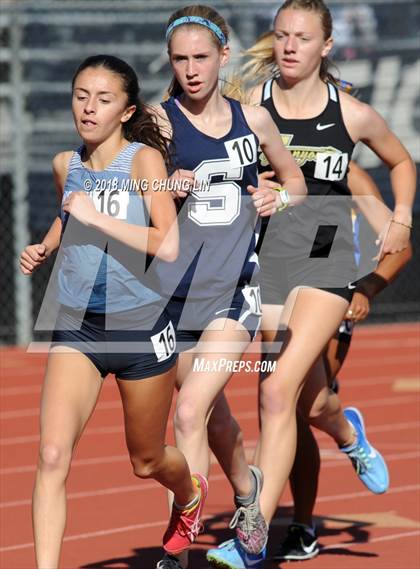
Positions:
(43, 41)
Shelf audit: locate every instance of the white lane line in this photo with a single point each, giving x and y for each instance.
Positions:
(383, 343)
(35, 438)
(75, 463)
(340, 459)
(412, 425)
(413, 398)
(364, 493)
(398, 329)
(90, 535)
(107, 405)
(113, 531)
(349, 382)
(382, 362)
(28, 389)
(34, 411)
(391, 537)
(233, 392)
(106, 492)
(334, 462)
(19, 390)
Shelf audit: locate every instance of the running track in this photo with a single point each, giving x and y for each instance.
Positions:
(116, 520)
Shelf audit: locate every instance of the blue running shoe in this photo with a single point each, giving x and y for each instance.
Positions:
(230, 555)
(367, 461)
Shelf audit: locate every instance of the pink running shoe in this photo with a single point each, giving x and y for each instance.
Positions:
(185, 525)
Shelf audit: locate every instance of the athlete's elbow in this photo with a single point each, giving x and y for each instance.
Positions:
(168, 250)
(164, 243)
(170, 255)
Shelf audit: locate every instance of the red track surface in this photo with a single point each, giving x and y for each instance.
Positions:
(115, 520)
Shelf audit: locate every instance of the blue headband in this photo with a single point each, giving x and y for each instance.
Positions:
(197, 20)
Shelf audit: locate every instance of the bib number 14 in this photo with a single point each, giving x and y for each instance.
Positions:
(331, 166)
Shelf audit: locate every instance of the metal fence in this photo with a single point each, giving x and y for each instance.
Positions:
(42, 43)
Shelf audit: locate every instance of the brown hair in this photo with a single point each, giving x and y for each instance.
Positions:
(201, 11)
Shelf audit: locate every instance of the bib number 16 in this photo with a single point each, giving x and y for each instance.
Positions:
(164, 343)
(112, 202)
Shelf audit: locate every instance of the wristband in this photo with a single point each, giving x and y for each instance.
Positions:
(407, 225)
(284, 196)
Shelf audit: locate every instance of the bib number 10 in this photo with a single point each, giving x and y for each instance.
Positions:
(242, 151)
(219, 203)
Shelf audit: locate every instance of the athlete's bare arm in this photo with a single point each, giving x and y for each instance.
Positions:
(34, 255)
(365, 124)
(284, 166)
(162, 238)
(362, 186)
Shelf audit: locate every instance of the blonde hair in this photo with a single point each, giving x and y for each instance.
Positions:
(201, 11)
(261, 65)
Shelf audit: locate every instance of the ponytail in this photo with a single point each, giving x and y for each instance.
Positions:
(142, 127)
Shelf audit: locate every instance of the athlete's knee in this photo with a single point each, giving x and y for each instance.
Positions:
(275, 399)
(188, 418)
(53, 457)
(147, 465)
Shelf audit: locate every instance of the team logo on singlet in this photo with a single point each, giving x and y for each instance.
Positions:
(301, 154)
(330, 163)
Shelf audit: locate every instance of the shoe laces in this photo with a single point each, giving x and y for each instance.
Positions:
(183, 524)
(246, 517)
(360, 459)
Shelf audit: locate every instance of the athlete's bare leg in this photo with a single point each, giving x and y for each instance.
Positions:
(312, 316)
(226, 442)
(146, 404)
(71, 388)
(305, 473)
(199, 392)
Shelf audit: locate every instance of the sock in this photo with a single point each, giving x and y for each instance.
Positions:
(174, 558)
(247, 500)
(190, 506)
(183, 559)
(195, 501)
